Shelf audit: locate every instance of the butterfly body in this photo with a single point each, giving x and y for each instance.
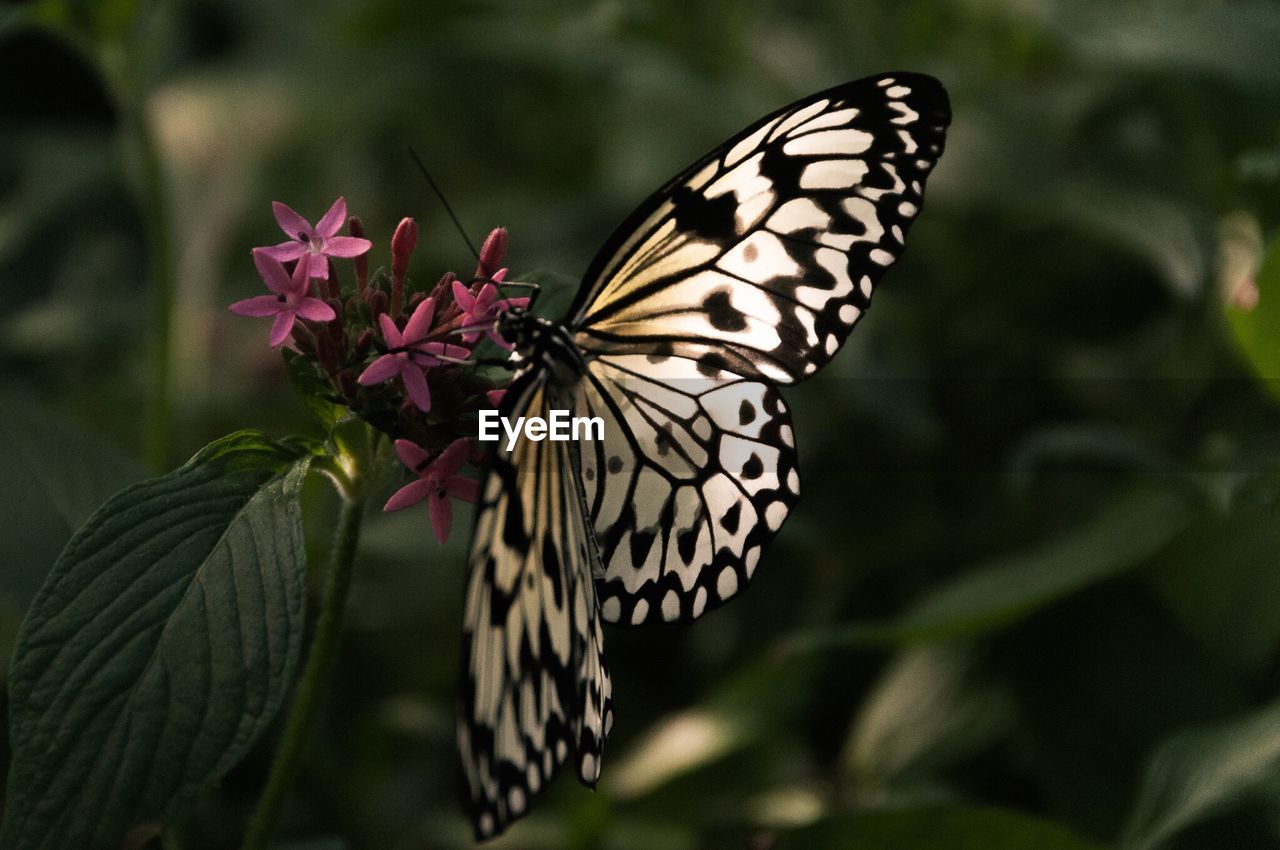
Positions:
(546, 342)
(744, 273)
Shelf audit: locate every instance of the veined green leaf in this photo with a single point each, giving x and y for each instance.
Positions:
(159, 647)
(55, 474)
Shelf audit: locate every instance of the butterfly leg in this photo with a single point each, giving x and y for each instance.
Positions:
(534, 289)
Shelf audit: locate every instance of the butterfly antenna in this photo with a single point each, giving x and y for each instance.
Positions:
(443, 200)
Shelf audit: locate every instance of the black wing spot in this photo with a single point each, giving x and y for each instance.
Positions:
(711, 218)
(687, 542)
(723, 315)
(551, 568)
(753, 468)
(664, 440)
(664, 352)
(729, 522)
(641, 543)
(615, 464)
(589, 473)
(712, 363)
(783, 170)
(746, 413)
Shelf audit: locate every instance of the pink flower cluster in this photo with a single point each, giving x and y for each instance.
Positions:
(311, 247)
(381, 347)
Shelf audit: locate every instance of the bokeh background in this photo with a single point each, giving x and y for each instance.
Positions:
(1031, 596)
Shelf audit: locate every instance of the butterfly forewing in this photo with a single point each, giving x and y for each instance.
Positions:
(536, 692)
(762, 256)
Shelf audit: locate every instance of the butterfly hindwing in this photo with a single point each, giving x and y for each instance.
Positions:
(536, 692)
(694, 476)
(762, 256)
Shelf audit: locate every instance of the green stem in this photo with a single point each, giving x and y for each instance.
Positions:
(320, 660)
(155, 208)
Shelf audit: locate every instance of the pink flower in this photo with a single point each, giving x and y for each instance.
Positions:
(312, 246)
(494, 397)
(409, 355)
(482, 309)
(438, 479)
(289, 302)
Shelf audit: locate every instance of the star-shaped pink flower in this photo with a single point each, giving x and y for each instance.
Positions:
(312, 246)
(483, 308)
(289, 302)
(409, 355)
(438, 480)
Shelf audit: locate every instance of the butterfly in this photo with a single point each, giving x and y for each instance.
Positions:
(744, 273)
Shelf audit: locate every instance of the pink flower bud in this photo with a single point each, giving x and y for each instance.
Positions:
(443, 292)
(332, 289)
(364, 342)
(325, 354)
(492, 252)
(402, 245)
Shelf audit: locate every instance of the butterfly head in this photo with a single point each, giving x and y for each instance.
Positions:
(520, 328)
(544, 341)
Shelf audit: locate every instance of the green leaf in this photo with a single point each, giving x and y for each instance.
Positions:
(935, 829)
(929, 710)
(1127, 531)
(158, 649)
(1257, 330)
(1202, 773)
(557, 291)
(55, 474)
(760, 699)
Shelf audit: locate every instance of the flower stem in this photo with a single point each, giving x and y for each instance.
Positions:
(320, 660)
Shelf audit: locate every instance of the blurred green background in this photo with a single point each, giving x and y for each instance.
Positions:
(1031, 597)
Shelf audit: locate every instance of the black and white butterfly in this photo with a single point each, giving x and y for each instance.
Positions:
(743, 273)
